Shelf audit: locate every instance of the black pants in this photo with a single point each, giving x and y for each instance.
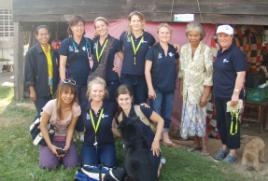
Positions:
(83, 102)
(224, 122)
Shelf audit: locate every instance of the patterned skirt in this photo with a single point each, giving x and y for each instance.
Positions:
(193, 121)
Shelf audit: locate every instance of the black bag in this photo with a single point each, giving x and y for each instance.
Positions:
(36, 133)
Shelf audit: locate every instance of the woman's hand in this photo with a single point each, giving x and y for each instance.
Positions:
(54, 148)
(156, 148)
(234, 100)
(66, 148)
(151, 94)
(203, 101)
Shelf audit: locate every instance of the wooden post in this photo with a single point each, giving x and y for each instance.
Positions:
(18, 61)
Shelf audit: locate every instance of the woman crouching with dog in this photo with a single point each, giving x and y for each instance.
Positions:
(62, 113)
(141, 129)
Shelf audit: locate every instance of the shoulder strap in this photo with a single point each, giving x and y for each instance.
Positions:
(144, 119)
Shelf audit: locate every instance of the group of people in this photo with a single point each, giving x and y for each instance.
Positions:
(93, 81)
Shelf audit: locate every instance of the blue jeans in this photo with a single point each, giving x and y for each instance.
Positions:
(163, 105)
(138, 85)
(112, 87)
(105, 155)
(83, 101)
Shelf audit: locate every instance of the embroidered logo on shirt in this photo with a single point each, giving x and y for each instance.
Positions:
(225, 61)
(170, 54)
(88, 116)
(71, 48)
(105, 116)
(84, 48)
(160, 55)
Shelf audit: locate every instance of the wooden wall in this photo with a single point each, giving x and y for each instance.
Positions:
(212, 11)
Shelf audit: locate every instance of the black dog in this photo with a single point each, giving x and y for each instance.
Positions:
(138, 162)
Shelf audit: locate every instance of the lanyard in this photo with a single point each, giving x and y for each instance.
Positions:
(234, 123)
(136, 49)
(96, 127)
(97, 51)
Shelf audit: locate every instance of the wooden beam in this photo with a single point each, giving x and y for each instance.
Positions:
(232, 19)
(18, 62)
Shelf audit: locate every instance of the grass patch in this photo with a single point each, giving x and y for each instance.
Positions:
(19, 158)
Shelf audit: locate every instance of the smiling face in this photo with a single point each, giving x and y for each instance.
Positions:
(97, 92)
(42, 36)
(67, 96)
(78, 29)
(164, 34)
(224, 40)
(194, 37)
(135, 23)
(124, 101)
(101, 28)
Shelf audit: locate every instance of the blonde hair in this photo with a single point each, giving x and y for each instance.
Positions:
(161, 25)
(137, 13)
(99, 81)
(100, 18)
(194, 26)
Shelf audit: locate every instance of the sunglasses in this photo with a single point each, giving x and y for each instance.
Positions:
(69, 81)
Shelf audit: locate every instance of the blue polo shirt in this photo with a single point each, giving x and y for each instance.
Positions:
(104, 133)
(113, 49)
(77, 58)
(164, 67)
(128, 64)
(225, 67)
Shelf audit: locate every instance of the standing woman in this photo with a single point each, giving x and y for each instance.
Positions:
(41, 69)
(124, 99)
(106, 48)
(196, 80)
(135, 44)
(161, 72)
(76, 59)
(228, 82)
(98, 147)
(62, 113)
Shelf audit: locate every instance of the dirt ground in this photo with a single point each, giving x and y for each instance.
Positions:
(214, 144)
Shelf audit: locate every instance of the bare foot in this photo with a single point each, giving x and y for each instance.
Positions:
(166, 139)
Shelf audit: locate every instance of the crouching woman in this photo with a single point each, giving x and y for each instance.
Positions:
(147, 118)
(62, 113)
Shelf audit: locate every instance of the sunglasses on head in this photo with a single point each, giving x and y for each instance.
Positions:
(69, 81)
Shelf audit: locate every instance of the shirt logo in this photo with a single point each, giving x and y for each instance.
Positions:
(144, 41)
(71, 48)
(84, 48)
(88, 116)
(160, 55)
(225, 61)
(105, 116)
(170, 54)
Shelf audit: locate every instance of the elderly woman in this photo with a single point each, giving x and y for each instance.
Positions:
(228, 79)
(196, 77)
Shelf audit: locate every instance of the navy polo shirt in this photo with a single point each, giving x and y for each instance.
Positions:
(147, 132)
(128, 64)
(77, 58)
(113, 49)
(164, 67)
(104, 133)
(225, 67)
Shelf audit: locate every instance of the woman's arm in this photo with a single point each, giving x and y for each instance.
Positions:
(43, 128)
(156, 118)
(115, 130)
(239, 84)
(63, 61)
(69, 134)
(148, 77)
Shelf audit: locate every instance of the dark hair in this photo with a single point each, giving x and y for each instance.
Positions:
(74, 21)
(123, 89)
(36, 31)
(61, 88)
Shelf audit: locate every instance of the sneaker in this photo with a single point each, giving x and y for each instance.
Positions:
(221, 154)
(230, 159)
